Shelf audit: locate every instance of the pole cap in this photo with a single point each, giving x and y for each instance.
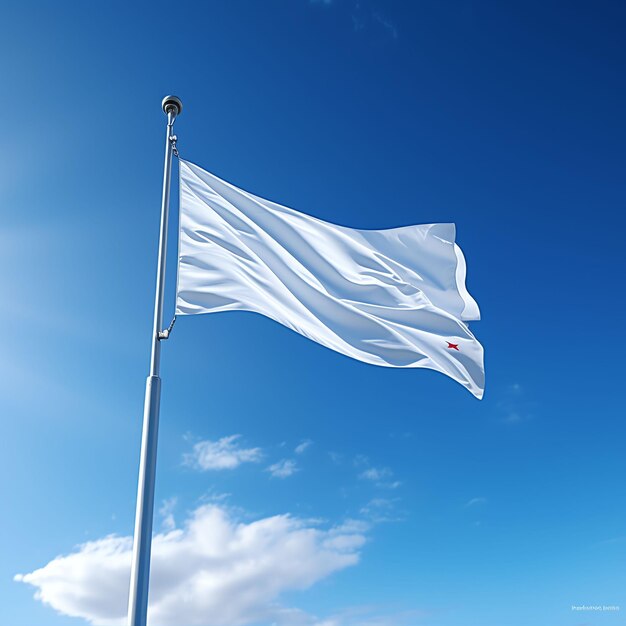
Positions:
(170, 102)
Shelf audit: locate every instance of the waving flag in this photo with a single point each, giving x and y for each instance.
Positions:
(394, 297)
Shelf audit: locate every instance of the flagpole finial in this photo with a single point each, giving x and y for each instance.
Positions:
(172, 103)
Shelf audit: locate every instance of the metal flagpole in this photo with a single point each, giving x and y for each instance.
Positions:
(140, 571)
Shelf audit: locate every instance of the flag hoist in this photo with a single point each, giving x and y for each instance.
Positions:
(140, 570)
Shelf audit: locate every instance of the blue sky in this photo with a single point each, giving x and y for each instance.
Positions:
(413, 504)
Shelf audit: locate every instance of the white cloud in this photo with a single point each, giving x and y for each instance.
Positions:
(225, 453)
(215, 570)
(380, 477)
(375, 474)
(386, 23)
(299, 449)
(514, 406)
(379, 510)
(283, 468)
(167, 513)
(335, 457)
(475, 501)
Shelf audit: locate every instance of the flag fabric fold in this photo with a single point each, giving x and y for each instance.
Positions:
(393, 297)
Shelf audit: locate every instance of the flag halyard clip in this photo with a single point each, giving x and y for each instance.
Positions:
(173, 140)
(165, 334)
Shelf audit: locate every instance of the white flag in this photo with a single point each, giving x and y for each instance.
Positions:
(392, 297)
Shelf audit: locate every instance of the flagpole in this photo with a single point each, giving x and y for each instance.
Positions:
(140, 570)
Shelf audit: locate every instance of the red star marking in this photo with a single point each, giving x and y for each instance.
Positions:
(453, 346)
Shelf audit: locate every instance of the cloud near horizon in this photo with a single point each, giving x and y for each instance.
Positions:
(215, 570)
